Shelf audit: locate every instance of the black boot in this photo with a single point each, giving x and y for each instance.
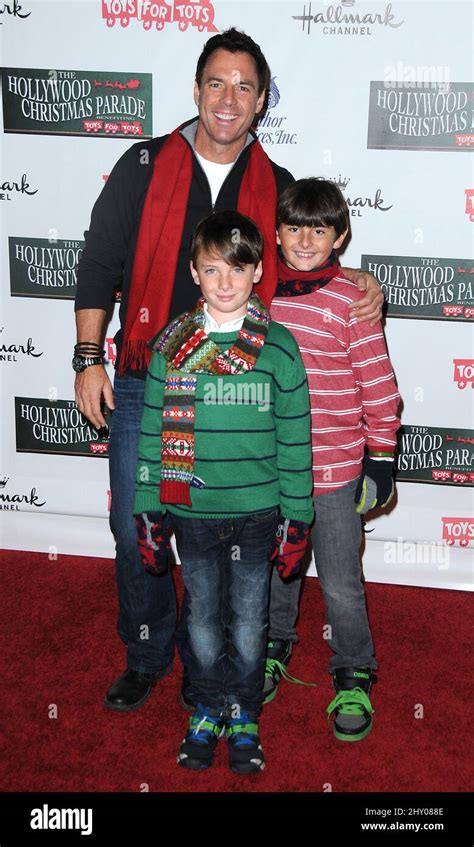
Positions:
(132, 689)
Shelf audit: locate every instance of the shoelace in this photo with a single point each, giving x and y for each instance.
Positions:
(200, 725)
(273, 664)
(351, 702)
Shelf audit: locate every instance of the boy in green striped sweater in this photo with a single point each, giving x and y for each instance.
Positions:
(225, 462)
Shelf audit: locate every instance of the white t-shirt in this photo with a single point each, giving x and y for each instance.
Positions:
(216, 174)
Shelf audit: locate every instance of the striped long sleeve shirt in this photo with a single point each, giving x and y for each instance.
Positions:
(353, 393)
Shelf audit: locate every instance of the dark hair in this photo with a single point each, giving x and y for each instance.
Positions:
(313, 202)
(232, 236)
(236, 42)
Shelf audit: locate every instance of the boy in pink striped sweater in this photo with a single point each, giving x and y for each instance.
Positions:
(354, 402)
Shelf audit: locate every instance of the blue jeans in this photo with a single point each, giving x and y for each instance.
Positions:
(226, 574)
(336, 537)
(147, 602)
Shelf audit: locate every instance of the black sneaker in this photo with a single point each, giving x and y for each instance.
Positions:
(198, 745)
(352, 707)
(245, 749)
(278, 656)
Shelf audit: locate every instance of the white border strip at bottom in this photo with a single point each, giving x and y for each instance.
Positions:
(401, 562)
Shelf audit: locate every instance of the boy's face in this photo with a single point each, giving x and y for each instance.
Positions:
(226, 288)
(306, 247)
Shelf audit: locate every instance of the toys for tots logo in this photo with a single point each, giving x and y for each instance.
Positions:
(464, 372)
(110, 350)
(458, 531)
(273, 128)
(157, 13)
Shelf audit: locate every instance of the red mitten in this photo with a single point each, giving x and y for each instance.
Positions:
(154, 530)
(290, 547)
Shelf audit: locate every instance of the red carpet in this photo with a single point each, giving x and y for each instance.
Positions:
(60, 648)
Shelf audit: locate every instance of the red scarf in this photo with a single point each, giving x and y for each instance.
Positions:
(160, 234)
(293, 283)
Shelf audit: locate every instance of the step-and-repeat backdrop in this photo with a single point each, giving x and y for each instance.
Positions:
(375, 96)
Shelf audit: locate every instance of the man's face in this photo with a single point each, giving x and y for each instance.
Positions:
(226, 288)
(306, 247)
(227, 100)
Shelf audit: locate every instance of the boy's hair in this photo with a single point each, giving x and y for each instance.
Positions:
(236, 42)
(229, 235)
(313, 202)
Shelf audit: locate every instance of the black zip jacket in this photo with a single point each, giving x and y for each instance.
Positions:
(107, 259)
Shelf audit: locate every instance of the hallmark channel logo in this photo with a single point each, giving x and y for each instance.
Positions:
(16, 352)
(357, 205)
(458, 531)
(463, 372)
(14, 9)
(424, 287)
(12, 502)
(338, 20)
(9, 189)
(56, 426)
(272, 128)
(63, 102)
(435, 454)
(157, 13)
(434, 117)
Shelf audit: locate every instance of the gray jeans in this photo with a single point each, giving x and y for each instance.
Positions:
(336, 537)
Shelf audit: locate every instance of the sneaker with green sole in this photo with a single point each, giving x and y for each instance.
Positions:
(351, 706)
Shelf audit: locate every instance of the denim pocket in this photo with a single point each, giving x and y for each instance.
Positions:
(264, 517)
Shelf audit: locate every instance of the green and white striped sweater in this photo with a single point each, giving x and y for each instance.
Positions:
(252, 437)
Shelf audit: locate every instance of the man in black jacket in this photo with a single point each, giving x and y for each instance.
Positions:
(232, 80)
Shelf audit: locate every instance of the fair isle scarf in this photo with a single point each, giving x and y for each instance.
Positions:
(293, 283)
(188, 350)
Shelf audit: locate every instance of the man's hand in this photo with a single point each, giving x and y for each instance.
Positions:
(368, 308)
(90, 386)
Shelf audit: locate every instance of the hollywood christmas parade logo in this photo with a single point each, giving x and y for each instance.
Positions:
(69, 102)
